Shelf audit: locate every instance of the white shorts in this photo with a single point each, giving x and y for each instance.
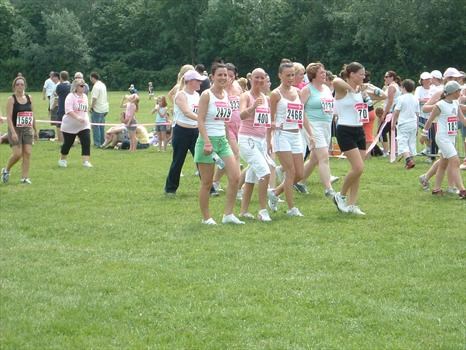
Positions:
(322, 133)
(406, 137)
(253, 150)
(286, 141)
(446, 145)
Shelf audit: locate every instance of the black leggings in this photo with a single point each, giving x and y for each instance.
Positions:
(84, 138)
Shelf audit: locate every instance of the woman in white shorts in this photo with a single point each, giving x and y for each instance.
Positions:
(318, 108)
(287, 113)
(255, 119)
(447, 111)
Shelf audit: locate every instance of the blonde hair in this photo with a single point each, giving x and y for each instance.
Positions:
(298, 67)
(180, 80)
(243, 82)
(75, 83)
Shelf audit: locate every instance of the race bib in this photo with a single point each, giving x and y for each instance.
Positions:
(295, 113)
(24, 119)
(327, 105)
(452, 126)
(262, 117)
(223, 111)
(234, 103)
(363, 112)
(195, 109)
(80, 106)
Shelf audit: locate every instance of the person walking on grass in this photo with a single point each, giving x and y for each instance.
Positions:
(76, 123)
(214, 112)
(131, 105)
(99, 108)
(21, 130)
(447, 111)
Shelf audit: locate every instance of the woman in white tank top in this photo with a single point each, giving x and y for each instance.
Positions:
(393, 81)
(214, 112)
(287, 112)
(352, 113)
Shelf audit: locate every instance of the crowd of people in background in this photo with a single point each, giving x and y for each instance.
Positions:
(240, 128)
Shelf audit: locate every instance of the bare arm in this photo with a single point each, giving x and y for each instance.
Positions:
(203, 106)
(182, 102)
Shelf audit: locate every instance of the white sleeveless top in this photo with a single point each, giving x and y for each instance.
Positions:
(447, 121)
(218, 112)
(193, 104)
(289, 113)
(349, 108)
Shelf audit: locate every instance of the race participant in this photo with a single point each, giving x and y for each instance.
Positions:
(393, 81)
(214, 112)
(423, 93)
(21, 130)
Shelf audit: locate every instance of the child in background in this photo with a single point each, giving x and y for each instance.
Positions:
(161, 121)
(150, 89)
(405, 119)
(131, 103)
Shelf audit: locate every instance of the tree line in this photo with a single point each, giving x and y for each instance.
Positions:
(148, 40)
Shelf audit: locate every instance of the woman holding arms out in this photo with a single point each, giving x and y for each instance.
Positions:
(185, 131)
(287, 114)
(352, 113)
(214, 111)
(76, 123)
(21, 130)
(255, 119)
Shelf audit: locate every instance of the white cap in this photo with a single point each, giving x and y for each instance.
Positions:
(426, 75)
(451, 87)
(452, 72)
(193, 75)
(436, 74)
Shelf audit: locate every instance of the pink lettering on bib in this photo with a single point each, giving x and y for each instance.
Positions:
(295, 113)
(262, 117)
(24, 119)
(363, 112)
(223, 111)
(452, 126)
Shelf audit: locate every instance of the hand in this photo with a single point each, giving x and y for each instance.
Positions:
(14, 137)
(208, 149)
(423, 139)
(259, 101)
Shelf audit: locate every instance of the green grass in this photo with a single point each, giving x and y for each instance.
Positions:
(99, 259)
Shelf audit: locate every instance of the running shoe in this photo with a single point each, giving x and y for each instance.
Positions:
(263, 215)
(213, 192)
(329, 193)
(463, 166)
(462, 194)
(294, 212)
(340, 202)
(62, 163)
(246, 215)
(216, 185)
(231, 219)
(334, 179)
(354, 209)
(273, 200)
(301, 188)
(87, 164)
(170, 194)
(26, 181)
(209, 221)
(452, 190)
(5, 175)
(437, 193)
(424, 182)
(410, 164)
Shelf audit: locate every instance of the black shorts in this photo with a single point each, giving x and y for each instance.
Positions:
(350, 137)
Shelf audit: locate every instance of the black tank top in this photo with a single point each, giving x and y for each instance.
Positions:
(18, 107)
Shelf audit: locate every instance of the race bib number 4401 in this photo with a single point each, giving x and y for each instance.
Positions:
(295, 113)
(363, 112)
(24, 119)
(262, 117)
(223, 111)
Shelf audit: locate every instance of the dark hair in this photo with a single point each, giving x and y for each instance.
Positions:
(329, 75)
(285, 65)
(352, 67)
(19, 77)
(55, 74)
(217, 65)
(95, 75)
(285, 60)
(408, 85)
(232, 68)
(64, 75)
(367, 78)
(312, 68)
(199, 68)
(395, 77)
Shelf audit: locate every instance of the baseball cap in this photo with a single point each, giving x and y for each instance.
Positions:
(451, 87)
(436, 74)
(193, 75)
(426, 75)
(452, 72)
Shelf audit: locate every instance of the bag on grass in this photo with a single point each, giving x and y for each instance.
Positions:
(45, 134)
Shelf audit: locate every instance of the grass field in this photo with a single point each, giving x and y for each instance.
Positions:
(100, 259)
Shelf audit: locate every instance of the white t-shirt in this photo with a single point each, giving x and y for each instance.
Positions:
(408, 106)
(49, 86)
(99, 92)
(218, 112)
(447, 121)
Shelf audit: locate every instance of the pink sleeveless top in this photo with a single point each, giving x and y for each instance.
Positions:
(247, 127)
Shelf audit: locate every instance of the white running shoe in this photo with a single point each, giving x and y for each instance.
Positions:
(247, 215)
(209, 221)
(340, 202)
(354, 209)
(231, 219)
(87, 164)
(334, 179)
(294, 212)
(453, 190)
(62, 163)
(26, 181)
(329, 193)
(424, 182)
(273, 200)
(5, 175)
(263, 215)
